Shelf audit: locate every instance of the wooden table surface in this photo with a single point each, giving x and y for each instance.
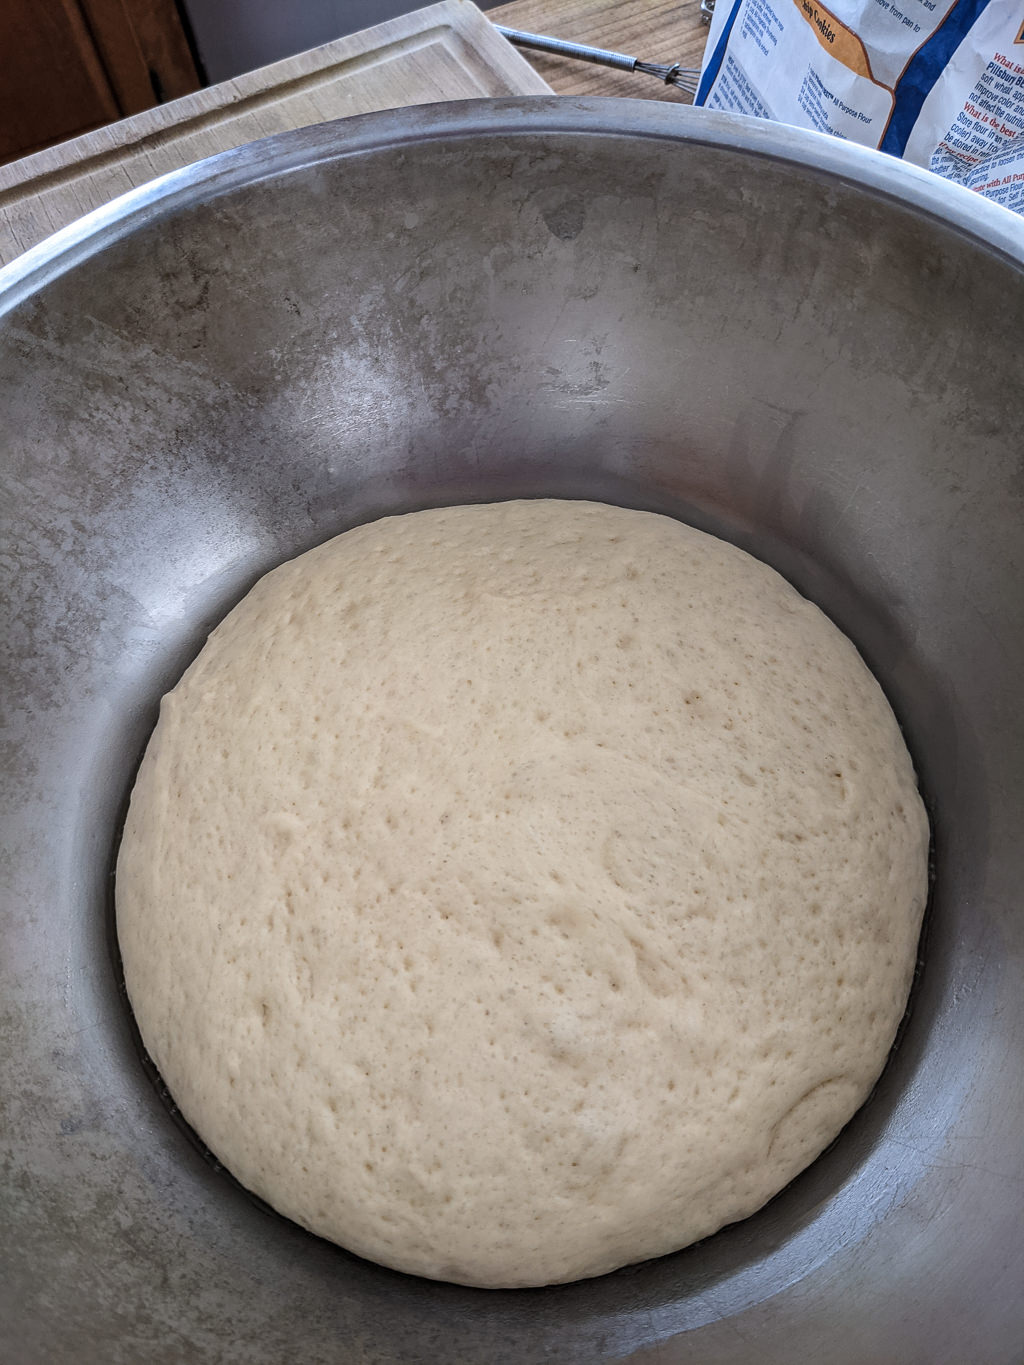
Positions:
(652, 30)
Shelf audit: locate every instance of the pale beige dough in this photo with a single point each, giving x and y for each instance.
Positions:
(513, 892)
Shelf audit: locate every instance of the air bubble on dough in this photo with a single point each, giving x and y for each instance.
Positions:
(517, 982)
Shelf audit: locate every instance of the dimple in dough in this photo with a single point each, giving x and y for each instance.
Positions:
(513, 892)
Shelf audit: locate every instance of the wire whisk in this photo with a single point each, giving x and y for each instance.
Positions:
(685, 77)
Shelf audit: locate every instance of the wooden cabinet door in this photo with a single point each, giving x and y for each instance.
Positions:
(70, 65)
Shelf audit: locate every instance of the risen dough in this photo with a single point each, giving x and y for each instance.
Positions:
(513, 892)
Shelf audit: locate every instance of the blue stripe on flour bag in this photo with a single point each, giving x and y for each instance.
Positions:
(713, 67)
(924, 69)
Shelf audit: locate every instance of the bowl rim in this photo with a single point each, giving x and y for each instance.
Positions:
(992, 226)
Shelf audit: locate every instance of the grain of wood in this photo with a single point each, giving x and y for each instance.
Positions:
(118, 49)
(144, 51)
(445, 52)
(652, 30)
(54, 39)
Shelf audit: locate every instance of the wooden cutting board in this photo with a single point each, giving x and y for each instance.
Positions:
(448, 51)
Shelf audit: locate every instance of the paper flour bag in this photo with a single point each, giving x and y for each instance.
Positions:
(938, 83)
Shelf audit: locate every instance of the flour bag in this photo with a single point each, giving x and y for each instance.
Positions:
(940, 84)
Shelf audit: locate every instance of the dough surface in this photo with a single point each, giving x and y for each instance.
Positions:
(513, 892)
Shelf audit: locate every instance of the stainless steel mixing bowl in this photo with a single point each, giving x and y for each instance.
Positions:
(808, 348)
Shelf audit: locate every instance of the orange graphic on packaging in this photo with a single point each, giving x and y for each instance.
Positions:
(836, 38)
